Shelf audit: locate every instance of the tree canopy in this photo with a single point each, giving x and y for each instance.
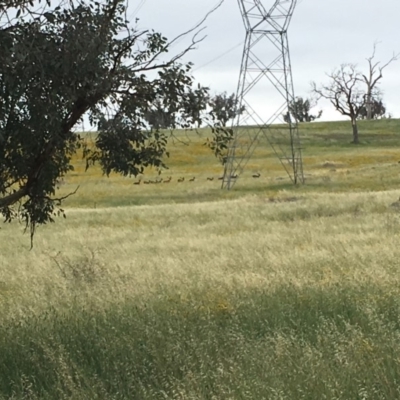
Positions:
(75, 61)
(225, 107)
(374, 109)
(299, 110)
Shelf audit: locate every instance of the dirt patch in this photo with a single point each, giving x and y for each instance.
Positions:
(396, 204)
(333, 164)
(283, 200)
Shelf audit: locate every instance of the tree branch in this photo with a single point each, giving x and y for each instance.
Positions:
(147, 66)
(13, 198)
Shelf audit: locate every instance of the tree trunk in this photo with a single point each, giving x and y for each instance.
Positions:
(355, 131)
(369, 104)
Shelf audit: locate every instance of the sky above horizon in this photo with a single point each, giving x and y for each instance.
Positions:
(321, 38)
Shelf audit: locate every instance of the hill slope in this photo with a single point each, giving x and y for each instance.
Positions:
(331, 163)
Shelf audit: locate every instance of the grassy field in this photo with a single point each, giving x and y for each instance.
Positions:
(331, 164)
(183, 291)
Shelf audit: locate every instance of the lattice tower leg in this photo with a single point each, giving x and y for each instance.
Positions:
(265, 68)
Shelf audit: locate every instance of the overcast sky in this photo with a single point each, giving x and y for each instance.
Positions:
(323, 34)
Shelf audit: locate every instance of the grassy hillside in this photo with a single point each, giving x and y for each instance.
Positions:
(265, 292)
(331, 163)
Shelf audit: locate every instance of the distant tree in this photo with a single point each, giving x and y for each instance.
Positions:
(346, 94)
(199, 110)
(80, 59)
(195, 113)
(160, 118)
(163, 113)
(224, 107)
(377, 110)
(195, 105)
(372, 79)
(299, 110)
(222, 137)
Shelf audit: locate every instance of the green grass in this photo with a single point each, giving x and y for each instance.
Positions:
(184, 291)
(287, 343)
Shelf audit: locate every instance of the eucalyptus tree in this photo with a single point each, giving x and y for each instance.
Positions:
(81, 59)
(375, 109)
(299, 110)
(225, 108)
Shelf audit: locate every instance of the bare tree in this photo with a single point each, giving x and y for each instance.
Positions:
(345, 93)
(372, 78)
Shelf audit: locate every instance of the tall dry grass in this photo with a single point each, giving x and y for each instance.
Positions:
(290, 296)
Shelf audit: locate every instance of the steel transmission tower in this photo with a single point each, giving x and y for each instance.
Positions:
(265, 69)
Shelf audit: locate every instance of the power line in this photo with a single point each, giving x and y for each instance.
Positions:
(137, 9)
(219, 57)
